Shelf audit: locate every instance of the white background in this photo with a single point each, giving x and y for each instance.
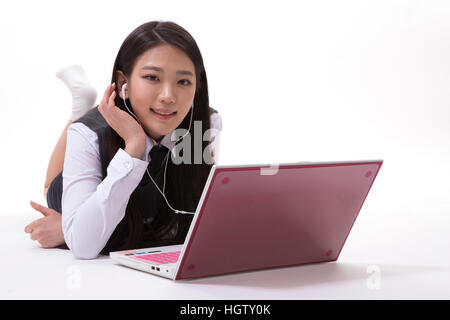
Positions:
(293, 81)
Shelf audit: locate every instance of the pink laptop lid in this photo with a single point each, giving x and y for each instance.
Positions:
(252, 218)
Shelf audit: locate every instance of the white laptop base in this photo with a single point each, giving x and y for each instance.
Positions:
(140, 259)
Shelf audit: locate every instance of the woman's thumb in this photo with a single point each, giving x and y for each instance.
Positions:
(45, 211)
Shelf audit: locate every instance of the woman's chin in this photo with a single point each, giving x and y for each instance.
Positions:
(158, 133)
(157, 128)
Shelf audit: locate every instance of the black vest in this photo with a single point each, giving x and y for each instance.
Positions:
(146, 196)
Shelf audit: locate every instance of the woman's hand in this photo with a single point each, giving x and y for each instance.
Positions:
(47, 230)
(122, 122)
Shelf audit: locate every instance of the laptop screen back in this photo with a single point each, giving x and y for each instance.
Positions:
(251, 219)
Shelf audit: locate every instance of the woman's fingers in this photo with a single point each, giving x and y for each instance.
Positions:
(47, 231)
(34, 236)
(44, 210)
(106, 96)
(29, 228)
(111, 99)
(108, 102)
(119, 120)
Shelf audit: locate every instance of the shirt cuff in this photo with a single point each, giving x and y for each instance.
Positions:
(122, 164)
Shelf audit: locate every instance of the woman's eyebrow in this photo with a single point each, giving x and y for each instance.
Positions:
(162, 70)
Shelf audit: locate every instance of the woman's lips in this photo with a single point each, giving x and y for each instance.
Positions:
(163, 114)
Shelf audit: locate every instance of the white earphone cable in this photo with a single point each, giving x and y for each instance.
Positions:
(167, 155)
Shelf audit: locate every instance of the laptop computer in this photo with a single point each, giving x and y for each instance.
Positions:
(253, 217)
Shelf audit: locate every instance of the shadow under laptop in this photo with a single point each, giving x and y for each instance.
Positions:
(316, 274)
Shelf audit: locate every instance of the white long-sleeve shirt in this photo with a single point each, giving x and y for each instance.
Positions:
(92, 208)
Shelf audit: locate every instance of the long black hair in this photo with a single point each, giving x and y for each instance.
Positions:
(184, 182)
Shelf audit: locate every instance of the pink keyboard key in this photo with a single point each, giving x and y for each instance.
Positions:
(161, 258)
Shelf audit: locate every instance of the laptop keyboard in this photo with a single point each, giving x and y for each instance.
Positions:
(161, 258)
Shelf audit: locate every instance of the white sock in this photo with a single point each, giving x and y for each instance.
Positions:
(83, 94)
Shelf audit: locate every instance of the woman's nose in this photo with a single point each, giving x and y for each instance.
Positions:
(167, 95)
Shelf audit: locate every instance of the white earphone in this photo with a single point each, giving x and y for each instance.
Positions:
(123, 97)
(168, 153)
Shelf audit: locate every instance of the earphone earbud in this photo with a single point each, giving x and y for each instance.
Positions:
(124, 101)
(123, 90)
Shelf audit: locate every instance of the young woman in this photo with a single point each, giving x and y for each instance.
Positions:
(123, 185)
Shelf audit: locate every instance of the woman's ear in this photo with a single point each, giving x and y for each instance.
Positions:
(121, 80)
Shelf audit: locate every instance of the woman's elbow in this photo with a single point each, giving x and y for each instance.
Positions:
(81, 250)
(80, 247)
(85, 254)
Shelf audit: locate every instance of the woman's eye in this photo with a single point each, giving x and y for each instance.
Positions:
(151, 77)
(185, 82)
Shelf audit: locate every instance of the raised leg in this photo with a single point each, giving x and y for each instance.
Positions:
(83, 99)
(56, 163)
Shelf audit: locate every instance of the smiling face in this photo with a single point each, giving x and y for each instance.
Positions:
(161, 89)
